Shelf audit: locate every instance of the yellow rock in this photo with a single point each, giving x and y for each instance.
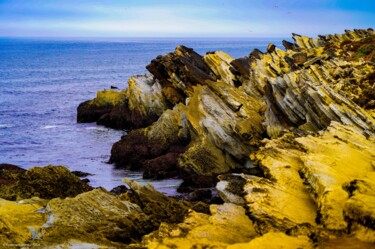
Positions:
(335, 158)
(108, 97)
(20, 221)
(170, 127)
(93, 217)
(144, 94)
(219, 63)
(228, 224)
(276, 241)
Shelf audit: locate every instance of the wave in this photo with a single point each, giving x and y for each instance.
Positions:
(50, 127)
(97, 128)
(4, 126)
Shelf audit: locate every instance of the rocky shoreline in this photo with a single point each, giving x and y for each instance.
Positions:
(286, 138)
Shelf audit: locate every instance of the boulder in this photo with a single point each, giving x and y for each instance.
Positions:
(44, 182)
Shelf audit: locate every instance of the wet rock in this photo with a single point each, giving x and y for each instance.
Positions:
(44, 182)
(91, 110)
(81, 173)
(199, 195)
(121, 189)
(146, 148)
(162, 167)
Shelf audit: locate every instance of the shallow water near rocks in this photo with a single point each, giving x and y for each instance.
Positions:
(43, 81)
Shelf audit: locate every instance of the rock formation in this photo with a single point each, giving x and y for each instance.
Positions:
(286, 136)
(224, 107)
(44, 182)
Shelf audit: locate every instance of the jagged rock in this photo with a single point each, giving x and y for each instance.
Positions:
(138, 106)
(44, 182)
(331, 189)
(221, 64)
(177, 72)
(312, 177)
(155, 148)
(157, 206)
(94, 217)
(312, 91)
(231, 103)
(106, 100)
(224, 125)
(226, 225)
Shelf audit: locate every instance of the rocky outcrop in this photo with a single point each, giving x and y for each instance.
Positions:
(137, 106)
(310, 174)
(226, 225)
(44, 182)
(226, 106)
(93, 219)
(287, 136)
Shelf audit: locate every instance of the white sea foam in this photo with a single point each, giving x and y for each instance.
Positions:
(97, 128)
(49, 127)
(4, 126)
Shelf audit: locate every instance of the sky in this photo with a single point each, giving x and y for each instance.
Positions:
(189, 18)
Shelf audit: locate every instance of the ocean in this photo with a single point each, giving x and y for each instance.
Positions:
(42, 81)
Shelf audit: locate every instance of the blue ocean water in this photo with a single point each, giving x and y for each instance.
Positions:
(42, 81)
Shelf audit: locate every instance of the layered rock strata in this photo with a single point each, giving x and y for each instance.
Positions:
(139, 105)
(287, 136)
(224, 107)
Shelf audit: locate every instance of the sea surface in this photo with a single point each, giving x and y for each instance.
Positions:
(42, 81)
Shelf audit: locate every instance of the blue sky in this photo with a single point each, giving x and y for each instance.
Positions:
(189, 18)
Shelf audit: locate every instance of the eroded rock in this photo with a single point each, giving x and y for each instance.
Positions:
(327, 178)
(44, 182)
(137, 106)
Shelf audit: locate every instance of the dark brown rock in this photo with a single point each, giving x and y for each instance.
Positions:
(9, 173)
(299, 58)
(120, 117)
(289, 45)
(162, 167)
(121, 189)
(87, 113)
(44, 182)
(186, 65)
